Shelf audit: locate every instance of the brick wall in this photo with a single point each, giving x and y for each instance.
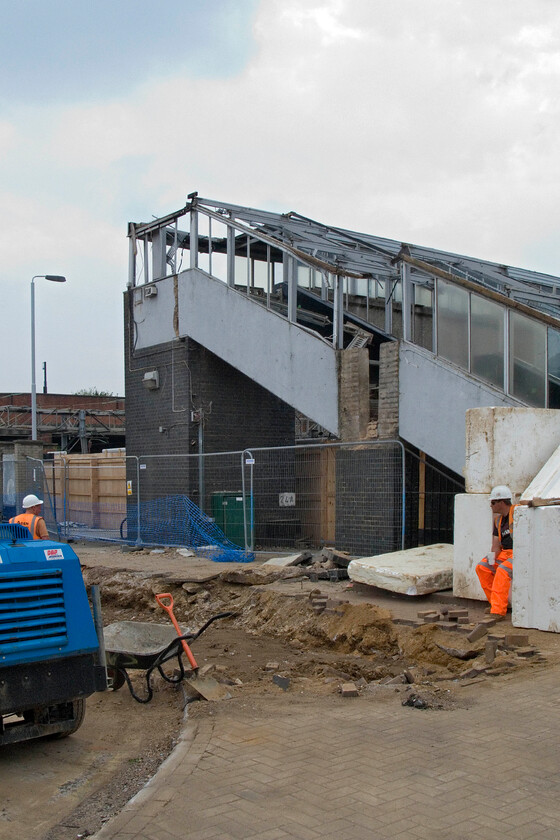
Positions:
(388, 416)
(353, 378)
(368, 500)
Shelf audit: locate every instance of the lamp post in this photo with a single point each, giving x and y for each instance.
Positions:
(55, 278)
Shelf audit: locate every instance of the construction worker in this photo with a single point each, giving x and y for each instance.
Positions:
(495, 571)
(32, 518)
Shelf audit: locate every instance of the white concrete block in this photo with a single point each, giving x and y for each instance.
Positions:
(536, 568)
(472, 541)
(508, 446)
(415, 571)
(546, 484)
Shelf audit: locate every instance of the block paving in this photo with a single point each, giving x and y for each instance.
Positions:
(294, 766)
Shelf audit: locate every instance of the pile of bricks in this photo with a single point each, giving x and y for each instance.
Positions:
(321, 603)
(458, 620)
(445, 618)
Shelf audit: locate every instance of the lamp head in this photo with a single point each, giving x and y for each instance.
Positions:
(55, 278)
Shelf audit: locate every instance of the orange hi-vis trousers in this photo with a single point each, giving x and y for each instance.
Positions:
(496, 580)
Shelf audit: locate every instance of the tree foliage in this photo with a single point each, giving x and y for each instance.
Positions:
(93, 392)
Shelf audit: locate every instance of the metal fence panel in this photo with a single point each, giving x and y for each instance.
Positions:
(353, 496)
(350, 495)
(21, 476)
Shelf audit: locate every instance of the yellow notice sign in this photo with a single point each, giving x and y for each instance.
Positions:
(129, 488)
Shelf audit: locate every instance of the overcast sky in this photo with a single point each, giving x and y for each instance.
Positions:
(429, 121)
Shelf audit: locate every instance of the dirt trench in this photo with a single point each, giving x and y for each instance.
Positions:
(344, 641)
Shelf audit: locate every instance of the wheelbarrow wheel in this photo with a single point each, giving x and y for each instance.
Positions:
(118, 678)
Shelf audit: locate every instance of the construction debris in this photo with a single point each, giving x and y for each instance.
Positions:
(479, 631)
(290, 560)
(459, 654)
(281, 682)
(415, 571)
(490, 649)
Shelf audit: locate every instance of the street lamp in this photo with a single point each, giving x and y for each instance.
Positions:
(55, 278)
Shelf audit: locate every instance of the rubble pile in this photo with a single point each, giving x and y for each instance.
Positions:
(328, 564)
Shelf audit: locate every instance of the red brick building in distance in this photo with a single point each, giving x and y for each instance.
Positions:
(69, 422)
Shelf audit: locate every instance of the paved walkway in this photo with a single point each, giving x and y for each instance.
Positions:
(298, 767)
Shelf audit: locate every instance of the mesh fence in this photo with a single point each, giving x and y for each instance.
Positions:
(229, 504)
(348, 495)
(176, 520)
(21, 477)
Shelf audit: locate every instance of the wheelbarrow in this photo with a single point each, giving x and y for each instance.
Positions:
(138, 645)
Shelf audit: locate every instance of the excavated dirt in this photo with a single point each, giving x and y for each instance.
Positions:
(276, 641)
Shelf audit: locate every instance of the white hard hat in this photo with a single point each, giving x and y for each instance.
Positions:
(31, 501)
(501, 491)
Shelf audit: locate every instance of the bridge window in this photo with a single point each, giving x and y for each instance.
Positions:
(527, 359)
(553, 368)
(487, 340)
(422, 324)
(452, 323)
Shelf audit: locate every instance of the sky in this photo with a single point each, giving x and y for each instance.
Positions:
(432, 122)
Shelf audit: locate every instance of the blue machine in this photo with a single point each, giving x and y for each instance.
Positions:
(48, 643)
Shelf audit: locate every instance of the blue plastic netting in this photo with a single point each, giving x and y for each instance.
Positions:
(176, 520)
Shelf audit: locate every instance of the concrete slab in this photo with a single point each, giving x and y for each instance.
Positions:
(508, 446)
(416, 571)
(473, 539)
(546, 484)
(289, 560)
(536, 579)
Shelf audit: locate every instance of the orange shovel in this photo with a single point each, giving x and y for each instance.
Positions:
(167, 605)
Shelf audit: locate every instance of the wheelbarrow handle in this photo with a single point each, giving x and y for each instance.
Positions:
(168, 607)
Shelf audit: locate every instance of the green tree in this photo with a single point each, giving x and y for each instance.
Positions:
(93, 392)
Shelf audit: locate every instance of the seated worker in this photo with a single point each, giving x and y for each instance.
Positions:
(495, 571)
(32, 518)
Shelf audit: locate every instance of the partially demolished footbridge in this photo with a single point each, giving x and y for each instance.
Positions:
(355, 331)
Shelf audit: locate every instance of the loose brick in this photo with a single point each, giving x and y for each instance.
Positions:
(446, 625)
(479, 631)
(490, 649)
(526, 652)
(349, 689)
(516, 639)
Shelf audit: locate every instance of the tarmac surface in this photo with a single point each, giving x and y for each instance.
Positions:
(289, 765)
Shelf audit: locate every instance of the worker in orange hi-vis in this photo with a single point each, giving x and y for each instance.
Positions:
(32, 518)
(495, 571)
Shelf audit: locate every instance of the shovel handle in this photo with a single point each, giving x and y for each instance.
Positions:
(167, 605)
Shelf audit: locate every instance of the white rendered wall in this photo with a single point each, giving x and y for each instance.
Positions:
(290, 361)
(508, 446)
(472, 541)
(434, 396)
(536, 568)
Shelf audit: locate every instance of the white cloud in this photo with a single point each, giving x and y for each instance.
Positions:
(432, 122)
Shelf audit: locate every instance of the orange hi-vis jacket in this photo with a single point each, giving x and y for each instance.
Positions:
(498, 525)
(30, 520)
